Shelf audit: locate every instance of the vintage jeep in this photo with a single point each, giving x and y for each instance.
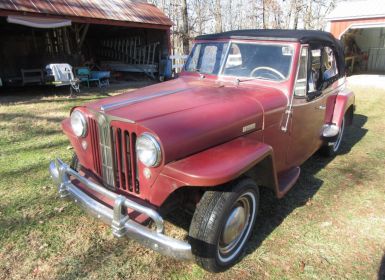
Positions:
(249, 108)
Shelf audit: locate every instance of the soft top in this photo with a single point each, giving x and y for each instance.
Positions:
(302, 36)
(315, 38)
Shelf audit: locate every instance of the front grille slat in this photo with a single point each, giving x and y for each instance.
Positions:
(127, 161)
(95, 146)
(118, 155)
(134, 181)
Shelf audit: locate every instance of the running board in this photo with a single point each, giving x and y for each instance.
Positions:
(286, 180)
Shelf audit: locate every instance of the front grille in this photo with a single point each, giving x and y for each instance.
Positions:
(113, 150)
(124, 155)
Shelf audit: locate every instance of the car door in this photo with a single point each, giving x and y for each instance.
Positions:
(308, 107)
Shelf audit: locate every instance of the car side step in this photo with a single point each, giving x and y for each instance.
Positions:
(287, 179)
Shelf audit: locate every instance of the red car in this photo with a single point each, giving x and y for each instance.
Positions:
(249, 108)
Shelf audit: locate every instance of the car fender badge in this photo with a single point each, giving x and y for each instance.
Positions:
(248, 127)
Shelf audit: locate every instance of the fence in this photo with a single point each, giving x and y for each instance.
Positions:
(178, 61)
(130, 55)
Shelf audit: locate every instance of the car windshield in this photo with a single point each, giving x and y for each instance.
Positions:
(252, 60)
(206, 58)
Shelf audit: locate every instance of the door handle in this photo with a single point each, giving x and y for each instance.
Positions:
(321, 107)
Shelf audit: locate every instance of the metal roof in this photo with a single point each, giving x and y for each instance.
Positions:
(357, 9)
(136, 11)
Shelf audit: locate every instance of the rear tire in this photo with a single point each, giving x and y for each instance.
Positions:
(331, 149)
(222, 223)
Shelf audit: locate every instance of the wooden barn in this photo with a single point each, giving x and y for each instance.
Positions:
(118, 35)
(360, 24)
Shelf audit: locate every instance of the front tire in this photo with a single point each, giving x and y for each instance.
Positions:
(222, 223)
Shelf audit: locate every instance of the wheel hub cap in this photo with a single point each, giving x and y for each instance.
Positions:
(234, 225)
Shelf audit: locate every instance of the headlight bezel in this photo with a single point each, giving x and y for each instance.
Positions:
(157, 148)
(83, 121)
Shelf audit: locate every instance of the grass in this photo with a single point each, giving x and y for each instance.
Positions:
(330, 226)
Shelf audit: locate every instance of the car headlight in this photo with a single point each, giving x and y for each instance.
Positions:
(148, 150)
(78, 123)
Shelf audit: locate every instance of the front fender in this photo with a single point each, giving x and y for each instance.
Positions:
(211, 167)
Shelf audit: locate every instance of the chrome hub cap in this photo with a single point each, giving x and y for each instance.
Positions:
(236, 227)
(233, 228)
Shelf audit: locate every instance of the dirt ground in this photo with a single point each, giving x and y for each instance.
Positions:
(331, 225)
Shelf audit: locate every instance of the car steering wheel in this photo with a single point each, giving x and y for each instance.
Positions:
(271, 70)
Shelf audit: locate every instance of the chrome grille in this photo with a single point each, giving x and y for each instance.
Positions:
(114, 154)
(124, 155)
(105, 144)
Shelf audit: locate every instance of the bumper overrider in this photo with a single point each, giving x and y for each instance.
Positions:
(120, 223)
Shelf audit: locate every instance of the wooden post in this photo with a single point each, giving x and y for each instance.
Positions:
(34, 41)
(66, 42)
(85, 30)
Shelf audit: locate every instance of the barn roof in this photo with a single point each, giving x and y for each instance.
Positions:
(109, 11)
(357, 9)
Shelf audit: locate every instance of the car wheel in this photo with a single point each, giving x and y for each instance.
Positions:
(222, 223)
(332, 148)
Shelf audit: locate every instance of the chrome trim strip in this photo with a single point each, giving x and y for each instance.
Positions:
(109, 118)
(138, 99)
(106, 150)
(121, 224)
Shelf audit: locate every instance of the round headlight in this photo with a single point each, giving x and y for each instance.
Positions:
(78, 123)
(148, 150)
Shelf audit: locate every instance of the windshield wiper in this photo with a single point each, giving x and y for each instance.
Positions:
(239, 80)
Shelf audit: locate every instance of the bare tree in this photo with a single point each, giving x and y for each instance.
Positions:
(264, 25)
(218, 16)
(196, 17)
(185, 28)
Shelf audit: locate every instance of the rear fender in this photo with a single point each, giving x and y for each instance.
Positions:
(344, 102)
(216, 166)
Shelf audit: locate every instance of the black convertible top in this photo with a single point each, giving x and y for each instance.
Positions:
(302, 36)
(314, 38)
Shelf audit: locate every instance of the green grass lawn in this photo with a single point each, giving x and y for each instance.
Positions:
(330, 226)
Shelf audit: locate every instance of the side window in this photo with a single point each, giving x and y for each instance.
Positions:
(329, 66)
(315, 73)
(301, 82)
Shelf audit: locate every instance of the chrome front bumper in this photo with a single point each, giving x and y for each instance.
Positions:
(121, 224)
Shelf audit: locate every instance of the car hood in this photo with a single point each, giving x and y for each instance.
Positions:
(190, 115)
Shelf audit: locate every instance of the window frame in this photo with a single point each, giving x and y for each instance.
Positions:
(307, 47)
